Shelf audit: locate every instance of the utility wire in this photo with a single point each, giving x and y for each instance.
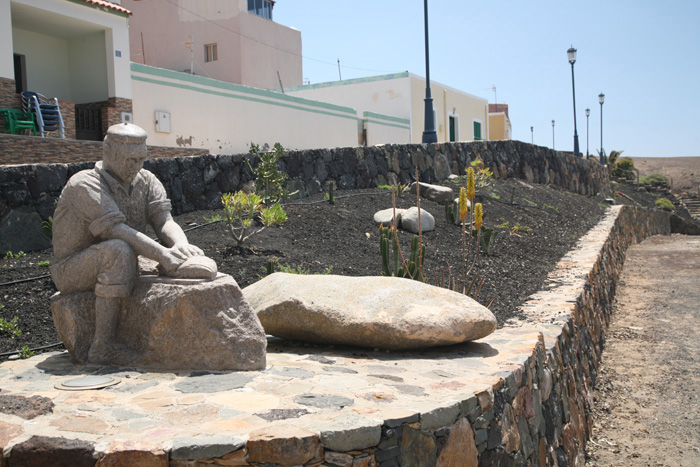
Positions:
(175, 4)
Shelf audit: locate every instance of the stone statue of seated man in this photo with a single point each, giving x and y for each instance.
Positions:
(98, 234)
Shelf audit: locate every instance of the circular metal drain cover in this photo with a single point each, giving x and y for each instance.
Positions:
(87, 382)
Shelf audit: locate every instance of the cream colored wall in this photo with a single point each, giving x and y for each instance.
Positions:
(446, 101)
(385, 129)
(250, 49)
(47, 62)
(78, 60)
(224, 118)
(7, 69)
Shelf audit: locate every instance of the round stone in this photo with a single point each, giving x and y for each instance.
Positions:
(88, 382)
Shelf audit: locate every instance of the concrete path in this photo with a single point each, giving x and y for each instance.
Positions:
(648, 398)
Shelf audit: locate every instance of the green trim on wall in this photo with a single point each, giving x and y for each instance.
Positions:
(194, 79)
(390, 118)
(329, 84)
(378, 122)
(238, 96)
(101, 8)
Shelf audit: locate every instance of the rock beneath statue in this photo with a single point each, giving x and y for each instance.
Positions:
(386, 216)
(170, 324)
(376, 312)
(409, 220)
(436, 193)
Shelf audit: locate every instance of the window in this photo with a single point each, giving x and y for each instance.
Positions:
(477, 131)
(261, 8)
(210, 53)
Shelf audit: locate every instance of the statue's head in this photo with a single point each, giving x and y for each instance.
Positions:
(124, 151)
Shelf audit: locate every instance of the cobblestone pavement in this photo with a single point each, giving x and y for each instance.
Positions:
(648, 403)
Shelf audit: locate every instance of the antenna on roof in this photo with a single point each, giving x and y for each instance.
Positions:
(339, 75)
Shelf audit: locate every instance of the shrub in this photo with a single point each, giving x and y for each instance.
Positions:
(664, 204)
(269, 180)
(241, 209)
(654, 180)
(624, 168)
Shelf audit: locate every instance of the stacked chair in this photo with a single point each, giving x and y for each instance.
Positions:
(46, 112)
(17, 121)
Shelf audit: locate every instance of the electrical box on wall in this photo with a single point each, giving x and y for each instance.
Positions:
(162, 121)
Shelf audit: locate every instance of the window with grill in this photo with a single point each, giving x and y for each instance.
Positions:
(210, 53)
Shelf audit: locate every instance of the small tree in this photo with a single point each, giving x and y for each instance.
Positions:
(269, 179)
(241, 209)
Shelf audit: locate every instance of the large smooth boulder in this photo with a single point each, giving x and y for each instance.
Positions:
(376, 312)
(386, 216)
(409, 220)
(171, 324)
(436, 193)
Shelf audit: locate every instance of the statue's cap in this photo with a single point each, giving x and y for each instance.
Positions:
(126, 133)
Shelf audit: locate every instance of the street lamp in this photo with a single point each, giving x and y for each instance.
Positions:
(552, 134)
(588, 114)
(601, 99)
(532, 135)
(429, 134)
(572, 59)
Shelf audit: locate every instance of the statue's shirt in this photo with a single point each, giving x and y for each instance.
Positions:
(93, 201)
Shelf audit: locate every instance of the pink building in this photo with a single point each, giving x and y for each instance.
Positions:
(228, 40)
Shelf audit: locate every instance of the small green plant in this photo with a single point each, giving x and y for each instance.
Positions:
(269, 179)
(214, 218)
(399, 189)
(47, 228)
(398, 268)
(514, 229)
(655, 180)
(494, 196)
(664, 204)
(549, 206)
(482, 176)
(451, 212)
(240, 210)
(44, 264)
(25, 352)
(10, 327)
(273, 266)
(10, 255)
(330, 197)
(531, 203)
(486, 238)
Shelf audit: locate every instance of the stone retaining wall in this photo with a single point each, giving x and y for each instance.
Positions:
(197, 182)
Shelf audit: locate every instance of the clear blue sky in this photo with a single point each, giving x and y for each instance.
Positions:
(643, 55)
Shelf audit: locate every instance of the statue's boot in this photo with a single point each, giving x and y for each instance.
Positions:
(104, 349)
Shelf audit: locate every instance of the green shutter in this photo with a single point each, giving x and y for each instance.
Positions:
(477, 131)
(452, 129)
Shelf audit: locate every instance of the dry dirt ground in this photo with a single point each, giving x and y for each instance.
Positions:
(647, 401)
(684, 172)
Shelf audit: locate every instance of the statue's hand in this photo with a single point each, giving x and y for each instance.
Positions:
(171, 260)
(188, 250)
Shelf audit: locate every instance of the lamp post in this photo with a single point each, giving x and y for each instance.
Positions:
(572, 59)
(532, 134)
(429, 134)
(552, 134)
(601, 99)
(588, 114)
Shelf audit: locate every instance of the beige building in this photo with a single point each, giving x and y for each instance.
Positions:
(499, 122)
(459, 116)
(235, 41)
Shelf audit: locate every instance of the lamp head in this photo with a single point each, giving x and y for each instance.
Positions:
(572, 55)
(601, 98)
(588, 112)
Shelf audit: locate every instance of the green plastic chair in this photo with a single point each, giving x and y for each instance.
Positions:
(17, 121)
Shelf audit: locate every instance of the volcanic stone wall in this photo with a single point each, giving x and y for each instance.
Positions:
(197, 182)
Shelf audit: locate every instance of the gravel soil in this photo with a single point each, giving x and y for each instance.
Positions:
(647, 403)
(538, 225)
